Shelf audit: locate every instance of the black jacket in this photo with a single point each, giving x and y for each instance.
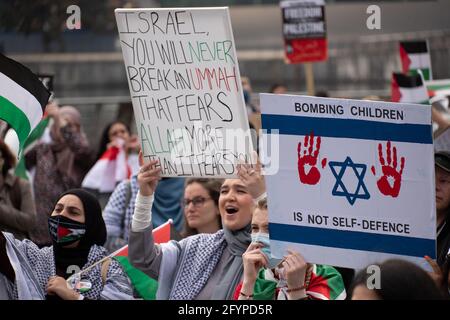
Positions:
(443, 243)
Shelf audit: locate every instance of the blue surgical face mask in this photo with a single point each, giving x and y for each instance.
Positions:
(264, 239)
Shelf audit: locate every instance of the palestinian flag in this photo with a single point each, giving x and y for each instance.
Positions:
(408, 89)
(108, 171)
(324, 283)
(416, 56)
(143, 284)
(23, 98)
(65, 234)
(438, 87)
(33, 138)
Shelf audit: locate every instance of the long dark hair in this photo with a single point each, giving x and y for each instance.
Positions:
(104, 140)
(212, 186)
(401, 280)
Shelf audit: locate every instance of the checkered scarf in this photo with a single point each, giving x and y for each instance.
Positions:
(43, 262)
(200, 257)
(201, 254)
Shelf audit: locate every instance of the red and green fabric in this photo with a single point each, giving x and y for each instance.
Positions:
(408, 89)
(438, 87)
(69, 234)
(325, 284)
(108, 171)
(144, 285)
(415, 56)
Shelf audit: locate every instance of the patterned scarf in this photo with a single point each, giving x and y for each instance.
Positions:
(200, 257)
(44, 265)
(26, 286)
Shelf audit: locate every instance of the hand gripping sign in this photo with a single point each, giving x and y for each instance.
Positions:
(356, 180)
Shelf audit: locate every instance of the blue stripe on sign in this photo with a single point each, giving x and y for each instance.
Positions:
(348, 128)
(355, 240)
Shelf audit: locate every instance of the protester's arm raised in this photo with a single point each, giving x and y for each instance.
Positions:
(142, 251)
(148, 178)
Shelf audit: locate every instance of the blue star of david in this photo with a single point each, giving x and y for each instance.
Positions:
(348, 163)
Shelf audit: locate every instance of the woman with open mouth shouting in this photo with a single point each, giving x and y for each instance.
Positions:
(202, 266)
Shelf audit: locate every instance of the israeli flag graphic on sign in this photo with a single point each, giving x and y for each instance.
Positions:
(355, 183)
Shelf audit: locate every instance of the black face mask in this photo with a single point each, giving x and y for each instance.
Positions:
(65, 231)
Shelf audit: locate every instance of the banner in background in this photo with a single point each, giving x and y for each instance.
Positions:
(304, 30)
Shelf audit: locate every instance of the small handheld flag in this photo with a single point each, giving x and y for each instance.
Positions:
(416, 56)
(408, 89)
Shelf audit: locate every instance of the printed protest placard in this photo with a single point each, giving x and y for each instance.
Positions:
(186, 89)
(356, 180)
(304, 30)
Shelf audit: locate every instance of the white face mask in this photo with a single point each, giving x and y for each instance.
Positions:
(264, 239)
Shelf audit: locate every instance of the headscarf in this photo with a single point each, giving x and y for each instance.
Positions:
(238, 242)
(63, 155)
(74, 117)
(95, 233)
(201, 255)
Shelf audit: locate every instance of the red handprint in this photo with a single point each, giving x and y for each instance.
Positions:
(389, 169)
(309, 157)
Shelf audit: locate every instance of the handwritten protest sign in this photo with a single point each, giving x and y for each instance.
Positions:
(356, 180)
(186, 89)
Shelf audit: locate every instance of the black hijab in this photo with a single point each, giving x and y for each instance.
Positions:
(95, 234)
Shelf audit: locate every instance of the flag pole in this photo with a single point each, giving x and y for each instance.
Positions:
(111, 255)
(309, 72)
(95, 264)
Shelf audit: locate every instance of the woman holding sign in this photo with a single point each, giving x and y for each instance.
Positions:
(289, 278)
(203, 266)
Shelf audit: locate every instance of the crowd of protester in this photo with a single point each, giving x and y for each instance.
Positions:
(220, 247)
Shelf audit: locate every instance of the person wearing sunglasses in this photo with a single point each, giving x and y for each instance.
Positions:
(201, 206)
